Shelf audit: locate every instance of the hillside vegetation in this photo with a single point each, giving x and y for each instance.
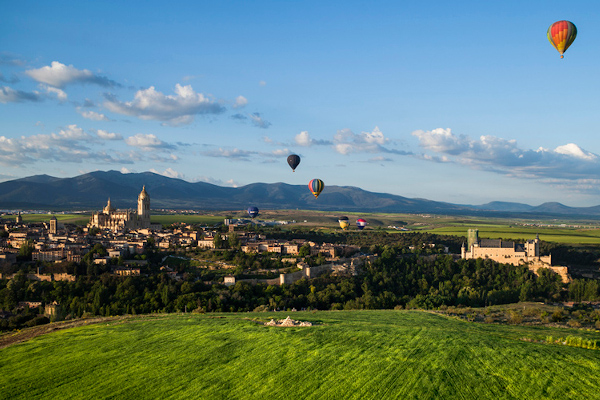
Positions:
(345, 355)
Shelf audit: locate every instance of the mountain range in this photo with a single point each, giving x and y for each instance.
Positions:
(92, 190)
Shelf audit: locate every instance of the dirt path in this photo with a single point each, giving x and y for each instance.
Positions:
(10, 338)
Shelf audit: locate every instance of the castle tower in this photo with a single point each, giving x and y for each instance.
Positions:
(143, 210)
(472, 237)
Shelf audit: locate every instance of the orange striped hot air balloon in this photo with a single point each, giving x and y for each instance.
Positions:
(561, 35)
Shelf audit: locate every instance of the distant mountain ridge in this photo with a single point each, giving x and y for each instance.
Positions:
(91, 191)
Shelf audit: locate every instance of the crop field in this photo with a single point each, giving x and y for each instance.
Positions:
(345, 355)
(556, 235)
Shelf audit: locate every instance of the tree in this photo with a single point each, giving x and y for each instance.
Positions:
(234, 241)
(26, 250)
(218, 241)
(304, 250)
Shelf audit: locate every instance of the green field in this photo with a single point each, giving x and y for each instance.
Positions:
(557, 235)
(347, 355)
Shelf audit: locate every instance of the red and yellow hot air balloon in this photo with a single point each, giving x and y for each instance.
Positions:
(561, 35)
(316, 187)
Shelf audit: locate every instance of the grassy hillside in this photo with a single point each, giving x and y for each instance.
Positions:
(348, 355)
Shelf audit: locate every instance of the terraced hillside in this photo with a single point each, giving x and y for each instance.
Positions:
(344, 355)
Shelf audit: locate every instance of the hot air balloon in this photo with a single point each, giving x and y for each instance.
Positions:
(344, 223)
(293, 160)
(252, 212)
(316, 187)
(360, 224)
(561, 35)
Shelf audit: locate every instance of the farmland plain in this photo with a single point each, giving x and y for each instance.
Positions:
(570, 232)
(345, 355)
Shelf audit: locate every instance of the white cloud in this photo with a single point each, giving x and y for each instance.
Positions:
(104, 135)
(126, 170)
(218, 182)
(178, 109)
(573, 150)
(240, 102)
(262, 83)
(304, 139)
(93, 115)
(347, 142)
(60, 94)
(566, 162)
(71, 144)
(169, 172)
(148, 142)
(59, 75)
(281, 152)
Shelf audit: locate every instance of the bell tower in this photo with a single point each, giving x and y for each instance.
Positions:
(143, 210)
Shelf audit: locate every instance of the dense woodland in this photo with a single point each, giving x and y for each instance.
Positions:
(397, 278)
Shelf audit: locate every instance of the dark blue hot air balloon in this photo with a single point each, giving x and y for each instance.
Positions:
(252, 212)
(293, 161)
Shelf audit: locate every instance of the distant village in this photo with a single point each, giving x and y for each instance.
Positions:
(125, 236)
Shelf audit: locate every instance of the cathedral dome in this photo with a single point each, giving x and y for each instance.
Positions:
(143, 194)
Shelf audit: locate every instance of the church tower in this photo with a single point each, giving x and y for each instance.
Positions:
(143, 210)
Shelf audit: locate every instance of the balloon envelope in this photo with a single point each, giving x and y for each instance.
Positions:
(252, 212)
(293, 161)
(361, 223)
(344, 223)
(561, 35)
(316, 187)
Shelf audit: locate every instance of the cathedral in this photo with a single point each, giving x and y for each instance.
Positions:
(119, 220)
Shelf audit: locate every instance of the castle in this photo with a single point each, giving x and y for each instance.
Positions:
(119, 220)
(527, 253)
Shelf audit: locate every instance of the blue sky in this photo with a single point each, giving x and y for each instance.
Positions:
(465, 102)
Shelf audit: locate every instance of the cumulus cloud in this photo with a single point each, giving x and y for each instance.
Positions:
(9, 95)
(60, 94)
(262, 83)
(59, 75)
(346, 142)
(240, 102)
(148, 142)
(70, 144)
(304, 139)
(177, 109)
(504, 156)
(169, 172)
(104, 135)
(93, 115)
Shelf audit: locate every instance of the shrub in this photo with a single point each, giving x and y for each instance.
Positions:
(514, 317)
(574, 324)
(557, 316)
